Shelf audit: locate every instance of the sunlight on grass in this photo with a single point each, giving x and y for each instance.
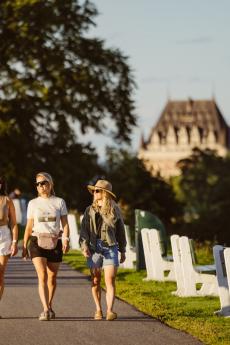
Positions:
(192, 314)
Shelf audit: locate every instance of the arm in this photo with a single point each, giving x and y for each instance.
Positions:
(121, 239)
(120, 235)
(65, 226)
(27, 234)
(14, 228)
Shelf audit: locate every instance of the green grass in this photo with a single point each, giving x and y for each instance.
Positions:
(193, 315)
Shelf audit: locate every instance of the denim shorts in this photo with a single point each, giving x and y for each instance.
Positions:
(104, 256)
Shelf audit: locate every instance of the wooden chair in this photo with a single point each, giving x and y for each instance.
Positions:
(222, 261)
(158, 267)
(189, 275)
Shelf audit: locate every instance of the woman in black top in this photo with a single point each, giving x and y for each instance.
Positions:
(102, 236)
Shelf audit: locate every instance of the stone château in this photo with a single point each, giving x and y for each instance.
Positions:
(182, 126)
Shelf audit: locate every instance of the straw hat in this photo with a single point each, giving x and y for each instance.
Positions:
(103, 185)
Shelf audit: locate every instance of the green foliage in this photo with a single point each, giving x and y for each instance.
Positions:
(193, 315)
(204, 253)
(55, 78)
(54, 72)
(137, 188)
(205, 190)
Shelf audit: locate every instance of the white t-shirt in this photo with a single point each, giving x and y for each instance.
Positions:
(46, 213)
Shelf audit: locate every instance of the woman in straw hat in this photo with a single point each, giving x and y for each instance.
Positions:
(47, 244)
(102, 236)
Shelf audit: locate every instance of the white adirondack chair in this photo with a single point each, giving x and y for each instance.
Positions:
(222, 261)
(157, 267)
(189, 275)
(131, 256)
(18, 211)
(227, 263)
(73, 232)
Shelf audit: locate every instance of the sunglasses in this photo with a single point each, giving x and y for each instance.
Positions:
(41, 183)
(97, 191)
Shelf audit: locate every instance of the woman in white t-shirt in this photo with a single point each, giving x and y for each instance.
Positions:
(47, 243)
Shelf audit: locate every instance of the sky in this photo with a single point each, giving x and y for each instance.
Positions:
(176, 48)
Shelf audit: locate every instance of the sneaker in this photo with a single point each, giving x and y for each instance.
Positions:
(52, 314)
(110, 316)
(44, 316)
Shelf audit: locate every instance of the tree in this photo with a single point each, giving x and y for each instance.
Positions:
(205, 186)
(55, 77)
(138, 189)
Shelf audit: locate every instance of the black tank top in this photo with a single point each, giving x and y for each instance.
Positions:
(98, 220)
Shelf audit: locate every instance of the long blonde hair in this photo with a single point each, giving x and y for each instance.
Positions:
(107, 209)
(49, 178)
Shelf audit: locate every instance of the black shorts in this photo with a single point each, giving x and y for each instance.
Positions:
(52, 255)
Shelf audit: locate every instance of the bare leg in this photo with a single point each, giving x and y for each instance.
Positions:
(3, 263)
(96, 287)
(40, 265)
(52, 270)
(110, 272)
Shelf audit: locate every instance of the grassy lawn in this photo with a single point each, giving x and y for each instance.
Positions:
(193, 315)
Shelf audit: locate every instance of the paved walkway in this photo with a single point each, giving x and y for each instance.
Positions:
(74, 324)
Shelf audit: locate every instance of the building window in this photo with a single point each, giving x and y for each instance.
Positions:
(188, 129)
(176, 130)
(201, 133)
(216, 136)
(160, 137)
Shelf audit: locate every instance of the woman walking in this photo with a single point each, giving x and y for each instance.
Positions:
(47, 244)
(102, 236)
(8, 231)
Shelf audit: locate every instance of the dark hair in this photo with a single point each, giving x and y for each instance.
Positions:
(3, 189)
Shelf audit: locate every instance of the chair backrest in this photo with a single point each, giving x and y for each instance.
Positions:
(177, 263)
(128, 236)
(146, 219)
(187, 266)
(73, 229)
(147, 253)
(192, 251)
(227, 265)
(221, 275)
(18, 210)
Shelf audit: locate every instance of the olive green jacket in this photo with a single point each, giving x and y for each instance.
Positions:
(111, 235)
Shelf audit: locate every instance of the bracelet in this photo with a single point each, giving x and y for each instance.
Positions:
(66, 238)
(14, 241)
